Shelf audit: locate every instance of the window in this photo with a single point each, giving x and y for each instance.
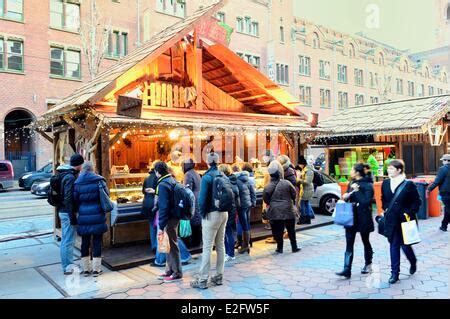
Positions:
(117, 44)
(11, 9)
(173, 7)
(282, 34)
(373, 100)
(421, 90)
(255, 29)
(427, 73)
(64, 15)
(248, 25)
(430, 90)
(240, 24)
(11, 55)
(325, 98)
(342, 100)
(251, 59)
(315, 41)
(380, 59)
(65, 63)
(405, 67)
(282, 75)
(221, 16)
(399, 86)
(351, 51)
(305, 95)
(444, 78)
(410, 88)
(359, 99)
(342, 73)
(304, 65)
(359, 80)
(440, 91)
(324, 70)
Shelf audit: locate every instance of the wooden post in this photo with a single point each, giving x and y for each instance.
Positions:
(198, 51)
(57, 223)
(103, 156)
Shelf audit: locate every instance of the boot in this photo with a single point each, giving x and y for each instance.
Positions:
(347, 271)
(87, 266)
(394, 278)
(245, 243)
(97, 266)
(238, 242)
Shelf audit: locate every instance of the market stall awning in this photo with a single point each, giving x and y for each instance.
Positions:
(210, 119)
(411, 116)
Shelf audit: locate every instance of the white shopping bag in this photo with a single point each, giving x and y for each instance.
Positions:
(410, 231)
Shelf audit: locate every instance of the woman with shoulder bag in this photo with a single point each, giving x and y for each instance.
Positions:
(399, 197)
(360, 193)
(280, 196)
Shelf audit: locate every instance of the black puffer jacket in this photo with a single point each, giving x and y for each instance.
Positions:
(280, 195)
(149, 199)
(234, 185)
(193, 180)
(362, 206)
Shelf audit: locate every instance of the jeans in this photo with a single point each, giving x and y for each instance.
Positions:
(446, 219)
(278, 231)
(153, 233)
(185, 255)
(213, 234)
(350, 236)
(229, 237)
(67, 240)
(395, 244)
(96, 245)
(306, 209)
(244, 218)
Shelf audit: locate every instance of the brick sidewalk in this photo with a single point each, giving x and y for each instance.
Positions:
(309, 274)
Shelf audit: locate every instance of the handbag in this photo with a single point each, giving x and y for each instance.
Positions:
(163, 243)
(410, 231)
(105, 202)
(381, 219)
(185, 229)
(343, 214)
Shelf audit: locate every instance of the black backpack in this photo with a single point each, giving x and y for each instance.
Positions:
(222, 194)
(184, 205)
(54, 195)
(318, 178)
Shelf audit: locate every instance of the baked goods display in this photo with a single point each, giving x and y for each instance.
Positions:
(126, 187)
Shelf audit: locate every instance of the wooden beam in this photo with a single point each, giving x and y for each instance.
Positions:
(213, 70)
(76, 126)
(229, 84)
(116, 137)
(242, 91)
(251, 97)
(44, 135)
(198, 51)
(220, 77)
(265, 103)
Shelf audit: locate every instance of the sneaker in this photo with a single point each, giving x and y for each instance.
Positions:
(229, 258)
(86, 273)
(68, 272)
(217, 280)
(173, 278)
(97, 273)
(200, 284)
(164, 275)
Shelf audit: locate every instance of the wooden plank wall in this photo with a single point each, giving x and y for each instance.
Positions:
(217, 100)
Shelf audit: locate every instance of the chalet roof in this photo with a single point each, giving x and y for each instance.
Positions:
(396, 117)
(234, 76)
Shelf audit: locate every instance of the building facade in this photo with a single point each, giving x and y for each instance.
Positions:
(42, 58)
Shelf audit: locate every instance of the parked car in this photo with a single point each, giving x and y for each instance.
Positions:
(6, 175)
(41, 188)
(326, 196)
(27, 179)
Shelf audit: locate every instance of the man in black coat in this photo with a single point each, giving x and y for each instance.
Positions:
(407, 202)
(443, 181)
(148, 189)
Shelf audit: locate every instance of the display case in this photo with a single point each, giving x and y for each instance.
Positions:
(126, 187)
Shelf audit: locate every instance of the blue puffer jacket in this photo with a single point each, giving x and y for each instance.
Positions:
(86, 195)
(246, 190)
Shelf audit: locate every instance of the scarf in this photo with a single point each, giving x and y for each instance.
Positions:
(396, 181)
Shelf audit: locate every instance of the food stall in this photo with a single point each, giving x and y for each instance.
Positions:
(182, 91)
(414, 130)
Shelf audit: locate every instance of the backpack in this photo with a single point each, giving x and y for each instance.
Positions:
(54, 196)
(222, 194)
(318, 178)
(184, 201)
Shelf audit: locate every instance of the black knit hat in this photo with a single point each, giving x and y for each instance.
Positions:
(76, 160)
(302, 160)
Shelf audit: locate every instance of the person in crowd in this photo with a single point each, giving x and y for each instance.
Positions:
(91, 218)
(168, 221)
(360, 193)
(391, 156)
(148, 189)
(193, 180)
(306, 177)
(66, 212)
(175, 165)
(229, 234)
(442, 181)
(246, 166)
(213, 225)
(289, 169)
(368, 172)
(372, 161)
(247, 197)
(405, 199)
(279, 195)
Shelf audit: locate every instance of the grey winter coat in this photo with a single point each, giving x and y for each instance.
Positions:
(246, 190)
(307, 183)
(280, 195)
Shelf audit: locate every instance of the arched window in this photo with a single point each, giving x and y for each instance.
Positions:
(405, 67)
(351, 51)
(380, 59)
(315, 41)
(444, 77)
(427, 73)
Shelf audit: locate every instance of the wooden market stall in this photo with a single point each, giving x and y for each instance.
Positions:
(184, 90)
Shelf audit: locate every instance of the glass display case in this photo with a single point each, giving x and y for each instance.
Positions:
(126, 187)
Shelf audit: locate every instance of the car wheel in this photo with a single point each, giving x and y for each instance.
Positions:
(328, 203)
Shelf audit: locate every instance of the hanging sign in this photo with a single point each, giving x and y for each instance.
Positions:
(129, 106)
(211, 30)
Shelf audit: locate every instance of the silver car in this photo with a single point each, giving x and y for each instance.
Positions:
(326, 196)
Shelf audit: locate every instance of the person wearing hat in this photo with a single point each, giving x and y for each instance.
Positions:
(305, 180)
(442, 181)
(214, 223)
(66, 212)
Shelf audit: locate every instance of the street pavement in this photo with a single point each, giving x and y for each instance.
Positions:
(30, 268)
